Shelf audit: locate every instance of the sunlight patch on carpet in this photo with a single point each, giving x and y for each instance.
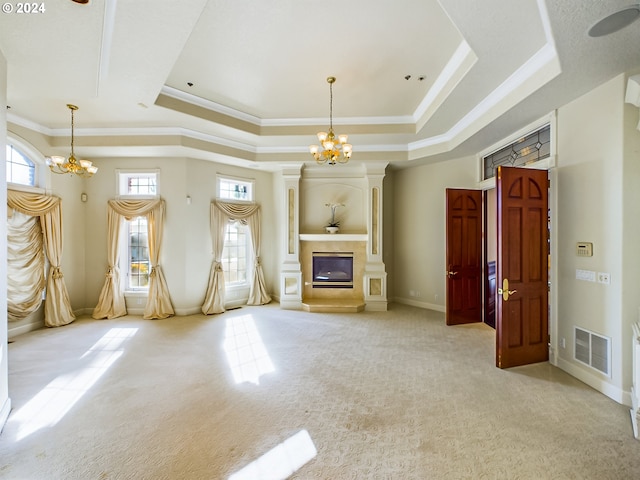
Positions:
(247, 356)
(281, 461)
(54, 401)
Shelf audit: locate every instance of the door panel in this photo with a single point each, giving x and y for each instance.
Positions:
(464, 256)
(522, 313)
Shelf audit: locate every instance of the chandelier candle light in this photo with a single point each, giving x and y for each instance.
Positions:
(82, 168)
(330, 150)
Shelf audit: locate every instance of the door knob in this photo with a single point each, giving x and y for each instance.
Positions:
(451, 274)
(504, 291)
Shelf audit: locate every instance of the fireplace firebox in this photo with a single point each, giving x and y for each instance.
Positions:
(332, 269)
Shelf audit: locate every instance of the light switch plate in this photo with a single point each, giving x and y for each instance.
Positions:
(586, 275)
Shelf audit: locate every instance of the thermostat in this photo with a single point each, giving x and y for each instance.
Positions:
(584, 249)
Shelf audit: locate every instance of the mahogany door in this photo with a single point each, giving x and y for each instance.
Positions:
(522, 303)
(464, 256)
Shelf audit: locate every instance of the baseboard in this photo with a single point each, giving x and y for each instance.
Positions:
(29, 327)
(4, 413)
(416, 303)
(614, 393)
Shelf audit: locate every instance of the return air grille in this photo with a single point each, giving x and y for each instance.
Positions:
(593, 350)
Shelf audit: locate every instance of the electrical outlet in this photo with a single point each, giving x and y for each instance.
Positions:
(604, 278)
(563, 343)
(435, 297)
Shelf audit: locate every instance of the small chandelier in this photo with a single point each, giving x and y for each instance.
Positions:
(329, 150)
(82, 168)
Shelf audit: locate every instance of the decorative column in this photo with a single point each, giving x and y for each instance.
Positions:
(290, 273)
(375, 275)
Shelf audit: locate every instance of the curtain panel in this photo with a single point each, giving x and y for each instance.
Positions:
(57, 308)
(111, 303)
(220, 213)
(25, 265)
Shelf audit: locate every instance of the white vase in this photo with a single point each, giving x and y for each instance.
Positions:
(332, 229)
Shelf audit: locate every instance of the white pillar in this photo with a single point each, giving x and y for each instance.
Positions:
(375, 275)
(290, 273)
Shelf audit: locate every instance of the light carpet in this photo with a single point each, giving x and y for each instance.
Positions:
(371, 395)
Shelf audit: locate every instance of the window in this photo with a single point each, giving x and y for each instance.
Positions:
(139, 264)
(235, 189)
(20, 169)
(236, 252)
(137, 185)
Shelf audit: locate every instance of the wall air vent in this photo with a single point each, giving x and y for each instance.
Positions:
(593, 350)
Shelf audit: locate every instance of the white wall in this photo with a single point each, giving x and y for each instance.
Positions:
(5, 402)
(590, 177)
(419, 229)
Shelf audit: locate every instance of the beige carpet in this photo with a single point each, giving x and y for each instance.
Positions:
(393, 395)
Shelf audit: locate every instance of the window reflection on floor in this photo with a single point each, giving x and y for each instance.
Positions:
(246, 354)
(53, 402)
(281, 461)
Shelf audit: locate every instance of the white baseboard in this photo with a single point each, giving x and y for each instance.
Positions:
(614, 393)
(4, 413)
(415, 303)
(29, 327)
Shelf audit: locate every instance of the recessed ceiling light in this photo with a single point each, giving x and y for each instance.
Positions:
(616, 21)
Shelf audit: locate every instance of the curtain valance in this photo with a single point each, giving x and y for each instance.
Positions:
(134, 208)
(33, 204)
(237, 211)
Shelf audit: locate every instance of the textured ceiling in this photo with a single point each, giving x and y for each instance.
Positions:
(479, 71)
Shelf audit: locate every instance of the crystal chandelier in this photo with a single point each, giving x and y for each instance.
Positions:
(82, 168)
(330, 150)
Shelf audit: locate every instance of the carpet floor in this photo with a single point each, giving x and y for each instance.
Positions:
(266, 393)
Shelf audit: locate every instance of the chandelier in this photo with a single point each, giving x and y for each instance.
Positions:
(82, 168)
(330, 150)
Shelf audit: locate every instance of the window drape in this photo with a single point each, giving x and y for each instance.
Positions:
(25, 265)
(220, 214)
(57, 308)
(111, 302)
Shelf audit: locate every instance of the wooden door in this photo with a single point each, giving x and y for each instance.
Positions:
(522, 303)
(464, 256)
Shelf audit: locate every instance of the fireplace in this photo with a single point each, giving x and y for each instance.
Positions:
(332, 269)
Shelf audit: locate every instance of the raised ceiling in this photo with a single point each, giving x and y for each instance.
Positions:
(245, 82)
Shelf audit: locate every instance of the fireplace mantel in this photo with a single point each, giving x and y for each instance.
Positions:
(334, 237)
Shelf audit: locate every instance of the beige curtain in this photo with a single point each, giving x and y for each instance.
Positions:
(214, 298)
(258, 294)
(57, 308)
(158, 301)
(111, 302)
(25, 265)
(220, 213)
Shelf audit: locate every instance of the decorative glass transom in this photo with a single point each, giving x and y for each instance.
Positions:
(531, 148)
